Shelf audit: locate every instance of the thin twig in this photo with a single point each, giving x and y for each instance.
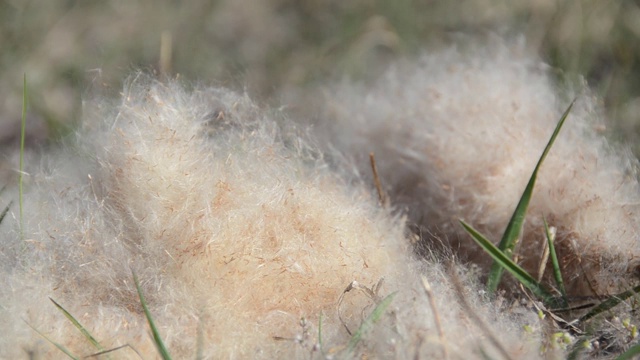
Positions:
(376, 180)
(465, 305)
(560, 322)
(166, 50)
(544, 258)
(436, 316)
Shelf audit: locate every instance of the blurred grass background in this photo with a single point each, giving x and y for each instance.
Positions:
(279, 49)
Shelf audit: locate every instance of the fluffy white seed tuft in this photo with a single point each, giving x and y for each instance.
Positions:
(457, 135)
(240, 235)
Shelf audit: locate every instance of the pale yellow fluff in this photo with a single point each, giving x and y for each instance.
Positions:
(457, 135)
(241, 237)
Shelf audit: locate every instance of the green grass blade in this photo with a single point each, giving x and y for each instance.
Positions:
(79, 326)
(59, 346)
(631, 353)
(612, 302)
(320, 334)
(162, 349)
(373, 318)
(557, 272)
(505, 261)
(512, 232)
(23, 129)
(108, 351)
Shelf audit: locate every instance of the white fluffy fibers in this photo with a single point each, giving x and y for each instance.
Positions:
(242, 238)
(457, 135)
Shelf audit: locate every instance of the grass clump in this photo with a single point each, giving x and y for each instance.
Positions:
(157, 339)
(369, 322)
(512, 232)
(503, 261)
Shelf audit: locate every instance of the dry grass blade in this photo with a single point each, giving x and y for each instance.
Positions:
(382, 196)
(542, 267)
(166, 50)
(5, 211)
(472, 314)
(436, 316)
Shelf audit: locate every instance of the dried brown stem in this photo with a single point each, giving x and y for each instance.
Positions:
(376, 180)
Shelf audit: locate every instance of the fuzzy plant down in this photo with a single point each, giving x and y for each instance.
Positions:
(457, 135)
(248, 243)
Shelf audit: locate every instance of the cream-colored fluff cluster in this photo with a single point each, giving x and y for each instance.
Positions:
(237, 230)
(457, 135)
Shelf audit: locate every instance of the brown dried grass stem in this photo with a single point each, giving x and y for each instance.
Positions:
(382, 196)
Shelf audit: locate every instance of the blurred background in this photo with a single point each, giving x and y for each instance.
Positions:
(280, 50)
